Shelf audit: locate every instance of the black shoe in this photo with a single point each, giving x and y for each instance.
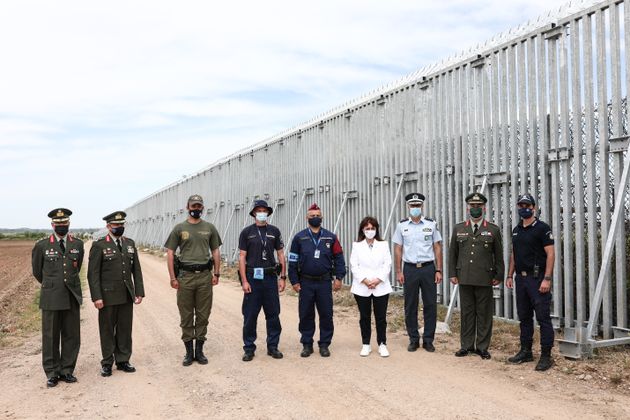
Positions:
(52, 382)
(524, 355)
(275, 353)
(462, 353)
(323, 351)
(428, 347)
(307, 350)
(190, 356)
(68, 378)
(106, 370)
(125, 367)
(485, 354)
(199, 356)
(248, 356)
(546, 361)
(413, 346)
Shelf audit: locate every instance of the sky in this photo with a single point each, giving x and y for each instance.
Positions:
(103, 103)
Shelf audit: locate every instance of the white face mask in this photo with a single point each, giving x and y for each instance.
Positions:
(261, 216)
(370, 234)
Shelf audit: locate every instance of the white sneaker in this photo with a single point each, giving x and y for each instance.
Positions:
(382, 350)
(365, 350)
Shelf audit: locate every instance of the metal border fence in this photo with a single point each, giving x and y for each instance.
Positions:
(540, 108)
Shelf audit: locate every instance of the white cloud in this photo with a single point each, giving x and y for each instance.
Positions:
(101, 101)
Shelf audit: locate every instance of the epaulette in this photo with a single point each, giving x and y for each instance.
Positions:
(430, 220)
(403, 220)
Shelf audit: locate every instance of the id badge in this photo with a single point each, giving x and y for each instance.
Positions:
(316, 254)
(259, 273)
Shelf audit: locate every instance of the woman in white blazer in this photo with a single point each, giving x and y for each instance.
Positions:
(371, 262)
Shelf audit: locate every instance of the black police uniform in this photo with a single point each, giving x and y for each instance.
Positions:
(530, 261)
(313, 259)
(260, 242)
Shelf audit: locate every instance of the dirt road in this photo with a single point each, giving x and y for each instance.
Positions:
(405, 385)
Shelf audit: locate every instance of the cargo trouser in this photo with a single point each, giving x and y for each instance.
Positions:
(194, 300)
(529, 301)
(264, 295)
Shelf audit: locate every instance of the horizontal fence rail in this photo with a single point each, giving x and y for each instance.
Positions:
(539, 109)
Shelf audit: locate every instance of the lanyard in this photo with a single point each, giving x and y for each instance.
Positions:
(264, 243)
(316, 243)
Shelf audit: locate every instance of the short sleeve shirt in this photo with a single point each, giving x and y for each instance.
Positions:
(259, 241)
(529, 245)
(417, 239)
(194, 241)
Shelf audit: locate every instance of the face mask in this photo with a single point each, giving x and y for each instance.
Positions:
(415, 211)
(261, 216)
(475, 212)
(61, 230)
(315, 221)
(195, 214)
(118, 231)
(370, 234)
(525, 212)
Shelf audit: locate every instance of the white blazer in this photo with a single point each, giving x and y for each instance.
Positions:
(369, 263)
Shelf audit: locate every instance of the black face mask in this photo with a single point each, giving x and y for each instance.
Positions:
(61, 230)
(195, 214)
(315, 221)
(118, 231)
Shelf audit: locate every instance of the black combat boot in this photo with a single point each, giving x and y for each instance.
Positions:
(546, 361)
(199, 356)
(523, 355)
(190, 356)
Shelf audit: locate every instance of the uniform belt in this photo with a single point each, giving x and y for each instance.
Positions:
(267, 270)
(195, 268)
(316, 278)
(419, 265)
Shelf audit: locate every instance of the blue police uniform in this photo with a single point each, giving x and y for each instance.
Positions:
(530, 261)
(418, 257)
(313, 260)
(260, 242)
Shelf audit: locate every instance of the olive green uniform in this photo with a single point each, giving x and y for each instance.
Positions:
(476, 259)
(194, 295)
(110, 272)
(60, 301)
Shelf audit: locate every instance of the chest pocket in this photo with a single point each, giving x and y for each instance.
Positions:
(487, 241)
(109, 257)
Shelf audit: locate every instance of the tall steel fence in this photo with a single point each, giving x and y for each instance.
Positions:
(540, 108)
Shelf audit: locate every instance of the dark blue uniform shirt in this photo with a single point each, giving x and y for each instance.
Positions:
(258, 239)
(529, 246)
(302, 256)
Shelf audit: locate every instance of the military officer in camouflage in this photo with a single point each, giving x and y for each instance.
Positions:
(476, 264)
(56, 264)
(198, 273)
(115, 280)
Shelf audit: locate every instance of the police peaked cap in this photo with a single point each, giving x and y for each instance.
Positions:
(414, 198)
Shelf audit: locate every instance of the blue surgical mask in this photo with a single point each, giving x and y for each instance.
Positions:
(262, 216)
(415, 211)
(525, 212)
(195, 214)
(315, 221)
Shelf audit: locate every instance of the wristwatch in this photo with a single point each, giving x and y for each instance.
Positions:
(547, 278)
(438, 271)
(217, 274)
(283, 277)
